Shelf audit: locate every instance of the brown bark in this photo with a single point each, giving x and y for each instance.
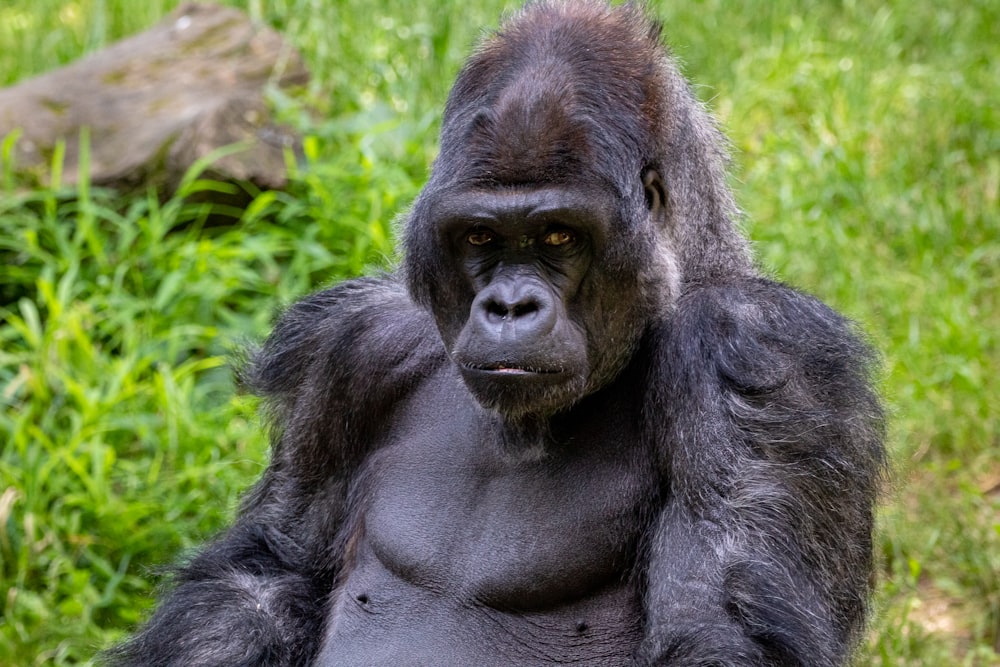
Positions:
(158, 101)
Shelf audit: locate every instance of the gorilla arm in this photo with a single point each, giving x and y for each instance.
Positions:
(334, 365)
(773, 453)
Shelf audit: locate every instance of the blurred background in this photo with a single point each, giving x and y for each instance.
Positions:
(866, 144)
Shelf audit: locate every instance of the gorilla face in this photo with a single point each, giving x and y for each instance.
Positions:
(523, 256)
(529, 308)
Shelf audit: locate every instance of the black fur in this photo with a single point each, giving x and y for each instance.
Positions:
(578, 426)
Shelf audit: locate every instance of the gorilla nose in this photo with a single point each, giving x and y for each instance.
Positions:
(515, 313)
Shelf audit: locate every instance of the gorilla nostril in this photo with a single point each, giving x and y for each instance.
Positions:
(502, 310)
(497, 309)
(526, 308)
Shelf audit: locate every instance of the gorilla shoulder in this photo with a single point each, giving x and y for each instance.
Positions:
(362, 343)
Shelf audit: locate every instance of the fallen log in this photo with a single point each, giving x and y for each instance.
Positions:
(160, 100)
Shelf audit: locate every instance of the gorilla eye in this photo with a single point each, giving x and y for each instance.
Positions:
(558, 238)
(479, 237)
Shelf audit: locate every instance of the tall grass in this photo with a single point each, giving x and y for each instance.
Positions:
(867, 151)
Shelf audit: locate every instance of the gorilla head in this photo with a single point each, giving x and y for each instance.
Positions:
(545, 243)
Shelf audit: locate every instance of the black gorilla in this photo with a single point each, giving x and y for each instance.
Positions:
(577, 427)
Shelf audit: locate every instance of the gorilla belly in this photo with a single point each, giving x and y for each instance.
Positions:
(377, 618)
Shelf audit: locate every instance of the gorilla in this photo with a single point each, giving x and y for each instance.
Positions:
(576, 426)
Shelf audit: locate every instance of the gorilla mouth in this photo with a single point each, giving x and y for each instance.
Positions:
(513, 369)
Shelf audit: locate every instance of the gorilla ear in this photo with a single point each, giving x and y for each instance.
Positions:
(656, 196)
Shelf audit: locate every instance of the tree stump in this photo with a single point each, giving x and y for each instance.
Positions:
(159, 101)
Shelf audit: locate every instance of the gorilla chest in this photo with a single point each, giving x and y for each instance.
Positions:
(451, 512)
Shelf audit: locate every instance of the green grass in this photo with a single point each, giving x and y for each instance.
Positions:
(867, 157)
